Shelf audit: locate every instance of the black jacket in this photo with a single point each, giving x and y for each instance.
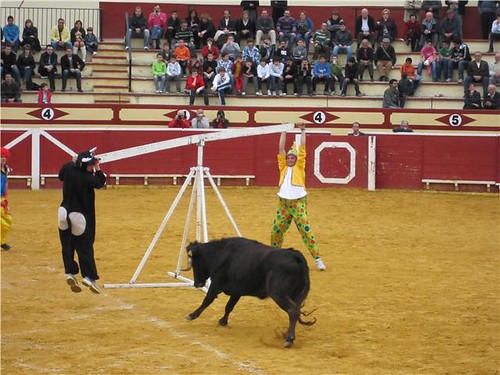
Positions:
(46, 59)
(494, 100)
(140, 22)
(359, 23)
(76, 63)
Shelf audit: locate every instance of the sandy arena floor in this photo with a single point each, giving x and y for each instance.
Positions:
(411, 287)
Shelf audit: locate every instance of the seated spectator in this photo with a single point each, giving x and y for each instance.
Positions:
(445, 63)
(391, 95)
(492, 98)
(343, 41)
(432, 6)
(231, 48)
(227, 26)
(321, 73)
(10, 90)
(228, 66)
(411, 75)
(77, 33)
(237, 74)
(267, 50)
(221, 85)
(494, 32)
(47, 66)
(322, 39)
(166, 53)
(60, 36)
(157, 20)
(44, 94)
(304, 75)
(265, 27)
(355, 130)
(72, 66)
(450, 26)
(11, 34)
(365, 28)
(182, 55)
(404, 127)
(385, 59)
(263, 74)
(337, 75)
(249, 74)
(286, 28)
(413, 33)
(210, 47)
(333, 23)
(299, 52)
(26, 65)
(196, 86)
(411, 8)
(365, 56)
(472, 98)
(193, 24)
(206, 30)
(283, 52)
(460, 58)
(305, 29)
(159, 70)
(200, 121)
(251, 52)
(8, 64)
(30, 36)
(173, 24)
(220, 122)
(478, 71)
(194, 64)
(174, 73)
(495, 70)
(209, 70)
(351, 76)
(276, 76)
(137, 26)
(429, 30)
(91, 42)
(187, 36)
(428, 59)
(405, 88)
(289, 76)
(386, 27)
(179, 121)
(245, 27)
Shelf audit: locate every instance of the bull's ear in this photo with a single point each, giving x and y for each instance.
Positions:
(191, 247)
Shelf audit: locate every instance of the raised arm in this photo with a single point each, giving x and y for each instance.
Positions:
(281, 150)
(302, 128)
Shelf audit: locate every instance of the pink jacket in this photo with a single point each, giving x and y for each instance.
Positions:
(157, 20)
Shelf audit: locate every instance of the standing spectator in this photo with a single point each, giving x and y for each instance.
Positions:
(221, 85)
(351, 76)
(478, 71)
(6, 216)
(492, 98)
(60, 36)
(264, 27)
(180, 121)
(404, 127)
(413, 33)
(386, 27)
(157, 21)
(174, 73)
(159, 70)
(494, 33)
(200, 121)
(289, 76)
(286, 28)
(11, 34)
(47, 66)
(196, 86)
(173, 24)
(193, 23)
(450, 27)
(458, 6)
(263, 74)
(220, 122)
(428, 59)
(227, 26)
(304, 75)
(411, 75)
(251, 8)
(77, 33)
(365, 28)
(249, 75)
(10, 90)
(245, 27)
(210, 47)
(391, 95)
(299, 52)
(278, 9)
(182, 55)
(267, 50)
(365, 56)
(355, 130)
(44, 94)
(460, 58)
(26, 65)
(495, 70)
(321, 73)
(283, 52)
(433, 6)
(231, 48)
(8, 64)
(385, 59)
(488, 11)
(445, 63)
(30, 36)
(206, 30)
(137, 26)
(337, 75)
(472, 98)
(429, 30)
(276, 76)
(91, 42)
(72, 66)
(251, 52)
(209, 70)
(237, 74)
(322, 38)
(343, 41)
(411, 8)
(305, 29)
(333, 23)
(76, 218)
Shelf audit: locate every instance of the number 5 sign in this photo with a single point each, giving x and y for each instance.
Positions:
(455, 119)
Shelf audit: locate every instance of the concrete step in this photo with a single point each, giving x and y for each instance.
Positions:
(105, 73)
(110, 88)
(110, 59)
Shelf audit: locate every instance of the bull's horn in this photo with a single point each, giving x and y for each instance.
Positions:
(189, 265)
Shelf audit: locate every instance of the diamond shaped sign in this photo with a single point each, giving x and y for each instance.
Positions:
(189, 114)
(47, 114)
(319, 117)
(456, 119)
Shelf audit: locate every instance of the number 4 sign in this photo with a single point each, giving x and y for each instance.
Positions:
(48, 114)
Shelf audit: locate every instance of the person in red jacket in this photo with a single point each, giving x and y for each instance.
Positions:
(179, 121)
(194, 86)
(44, 94)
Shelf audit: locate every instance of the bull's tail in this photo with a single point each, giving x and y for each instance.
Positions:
(302, 295)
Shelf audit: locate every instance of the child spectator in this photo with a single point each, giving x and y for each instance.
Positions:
(159, 73)
(283, 52)
(91, 42)
(231, 48)
(196, 86)
(238, 74)
(44, 94)
(267, 50)
(30, 36)
(289, 76)
(194, 64)
(220, 122)
(263, 74)
(321, 73)
(227, 64)
(444, 63)
(299, 52)
(222, 85)
(182, 55)
(252, 52)
(249, 74)
(337, 75)
(304, 76)
(351, 76)
(413, 33)
(210, 47)
(428, 59)
(209, 69)
(174, 73)
(365, 55)
(166, 53)
(411, 75)
(276, 76)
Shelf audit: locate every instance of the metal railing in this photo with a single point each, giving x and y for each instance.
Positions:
(129, 55)
(44, 19)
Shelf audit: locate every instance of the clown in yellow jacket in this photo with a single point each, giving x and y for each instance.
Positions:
(5, 211)
(293, 196)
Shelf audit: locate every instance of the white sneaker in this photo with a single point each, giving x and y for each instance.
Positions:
(319, 264)
(258, 93)
(94, 53)
(72, 281)
(146, 48)
(269, 93)
(243, 93)
(274, 93)
(92, 285)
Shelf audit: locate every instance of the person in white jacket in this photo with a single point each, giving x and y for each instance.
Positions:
(174, 73)
(263, 74)
(222, 85)
(276, 72)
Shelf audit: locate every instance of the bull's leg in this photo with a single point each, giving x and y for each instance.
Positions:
(293, 312)
(209, 298)
(233, 300)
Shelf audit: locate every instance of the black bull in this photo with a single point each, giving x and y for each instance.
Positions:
(242, 267)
